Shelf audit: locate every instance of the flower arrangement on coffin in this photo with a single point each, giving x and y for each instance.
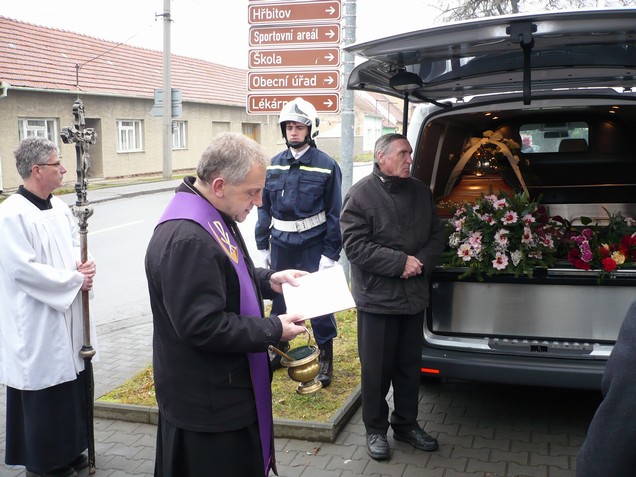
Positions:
(601, 247)
(486, 155)
(501, 234)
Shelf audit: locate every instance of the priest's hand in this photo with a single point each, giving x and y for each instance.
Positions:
(285, 276)
(293, 325)
(88, 269)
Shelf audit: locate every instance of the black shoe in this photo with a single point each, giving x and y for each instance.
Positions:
(418, 439)
(326, 363)
(378, 446)
(80, 463)
(61, 472)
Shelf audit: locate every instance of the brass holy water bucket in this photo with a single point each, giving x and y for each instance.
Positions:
(303, 366)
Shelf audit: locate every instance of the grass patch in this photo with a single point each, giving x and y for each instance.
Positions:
(286, 402)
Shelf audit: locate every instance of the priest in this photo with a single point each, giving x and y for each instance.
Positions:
(41, 331)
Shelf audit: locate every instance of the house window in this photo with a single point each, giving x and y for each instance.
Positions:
(179, 135)
(252, 130)
(129, 137)
(32, 127)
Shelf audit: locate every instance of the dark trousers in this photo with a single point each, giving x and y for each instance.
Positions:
(182, 453)
(390, 349)
(308, 259)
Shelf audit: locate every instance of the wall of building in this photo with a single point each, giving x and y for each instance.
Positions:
(204, 122)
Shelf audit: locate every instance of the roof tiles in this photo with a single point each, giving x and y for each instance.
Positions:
(33, 56)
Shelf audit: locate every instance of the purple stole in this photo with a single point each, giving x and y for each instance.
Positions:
(185, 205)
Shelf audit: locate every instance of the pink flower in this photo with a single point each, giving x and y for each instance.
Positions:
(501, 237)
(500, 262)
(465, 252)
(499, 204)
(510, 217)
(527, 236)
(528, 219)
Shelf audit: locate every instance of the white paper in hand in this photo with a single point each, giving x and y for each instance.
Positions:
(319, 293)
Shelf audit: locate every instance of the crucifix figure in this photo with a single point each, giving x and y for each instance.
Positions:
(82, 137)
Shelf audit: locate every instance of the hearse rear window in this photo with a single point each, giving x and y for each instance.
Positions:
(554, 137)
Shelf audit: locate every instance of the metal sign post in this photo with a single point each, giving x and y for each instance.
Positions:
(82, 137)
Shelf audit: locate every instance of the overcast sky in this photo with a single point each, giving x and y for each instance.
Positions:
(213, 30)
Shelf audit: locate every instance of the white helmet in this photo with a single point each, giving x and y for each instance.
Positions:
(300, 111)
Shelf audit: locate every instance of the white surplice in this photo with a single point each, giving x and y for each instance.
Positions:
(41, 326)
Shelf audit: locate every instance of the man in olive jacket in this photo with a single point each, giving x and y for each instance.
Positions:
(392, 238)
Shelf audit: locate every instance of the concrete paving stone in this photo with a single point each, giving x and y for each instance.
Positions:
(484, 432)
(355, 466)
(501, 444)
(560, 461)
(511, 435)
(453, 440)
(337, 450)
(410, 457)
(532, 447)
(311, 460)
(521, 458)
(562, 472)
(483, 468)
(435, 417)
(532, 425)
(527, 471)
(289, 471)
(310, 472)
(568, 450)
(387, 468)
(444, 429)
(462, 419)
(469, 453)
(552, 437)
(436, 461)
(415, 471)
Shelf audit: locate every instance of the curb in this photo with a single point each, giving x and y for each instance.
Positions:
(283, 428)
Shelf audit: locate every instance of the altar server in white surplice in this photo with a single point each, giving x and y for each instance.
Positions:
(41, 329)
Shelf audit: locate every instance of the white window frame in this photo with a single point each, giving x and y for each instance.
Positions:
(179, 135)
(38, 127)
(130, 135)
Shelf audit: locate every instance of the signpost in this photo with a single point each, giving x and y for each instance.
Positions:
(273, 103)
(288, 12)
(294, 80)
(328, 33)
(295, 53)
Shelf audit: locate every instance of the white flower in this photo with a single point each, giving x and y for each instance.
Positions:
(501, 237)
(516, 257)
(510, 217)
(500, 262)
(465, 252)
(527, 237)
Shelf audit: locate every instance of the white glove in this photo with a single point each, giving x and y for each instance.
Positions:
(325, 262)
(266, 258)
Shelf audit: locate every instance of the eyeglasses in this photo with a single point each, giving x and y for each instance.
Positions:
(56, 164)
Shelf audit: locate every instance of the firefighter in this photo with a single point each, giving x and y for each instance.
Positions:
(298, 223)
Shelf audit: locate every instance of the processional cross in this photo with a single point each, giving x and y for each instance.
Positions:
(82, 137)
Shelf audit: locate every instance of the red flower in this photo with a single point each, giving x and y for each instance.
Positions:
(608, 264)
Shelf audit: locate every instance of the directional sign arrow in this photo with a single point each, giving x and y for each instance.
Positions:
(285, 58)
(288, 12)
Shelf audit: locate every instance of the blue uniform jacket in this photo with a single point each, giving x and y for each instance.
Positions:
(297, 189)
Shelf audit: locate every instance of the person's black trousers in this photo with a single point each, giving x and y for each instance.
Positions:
(390, 349)
(308, 259)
